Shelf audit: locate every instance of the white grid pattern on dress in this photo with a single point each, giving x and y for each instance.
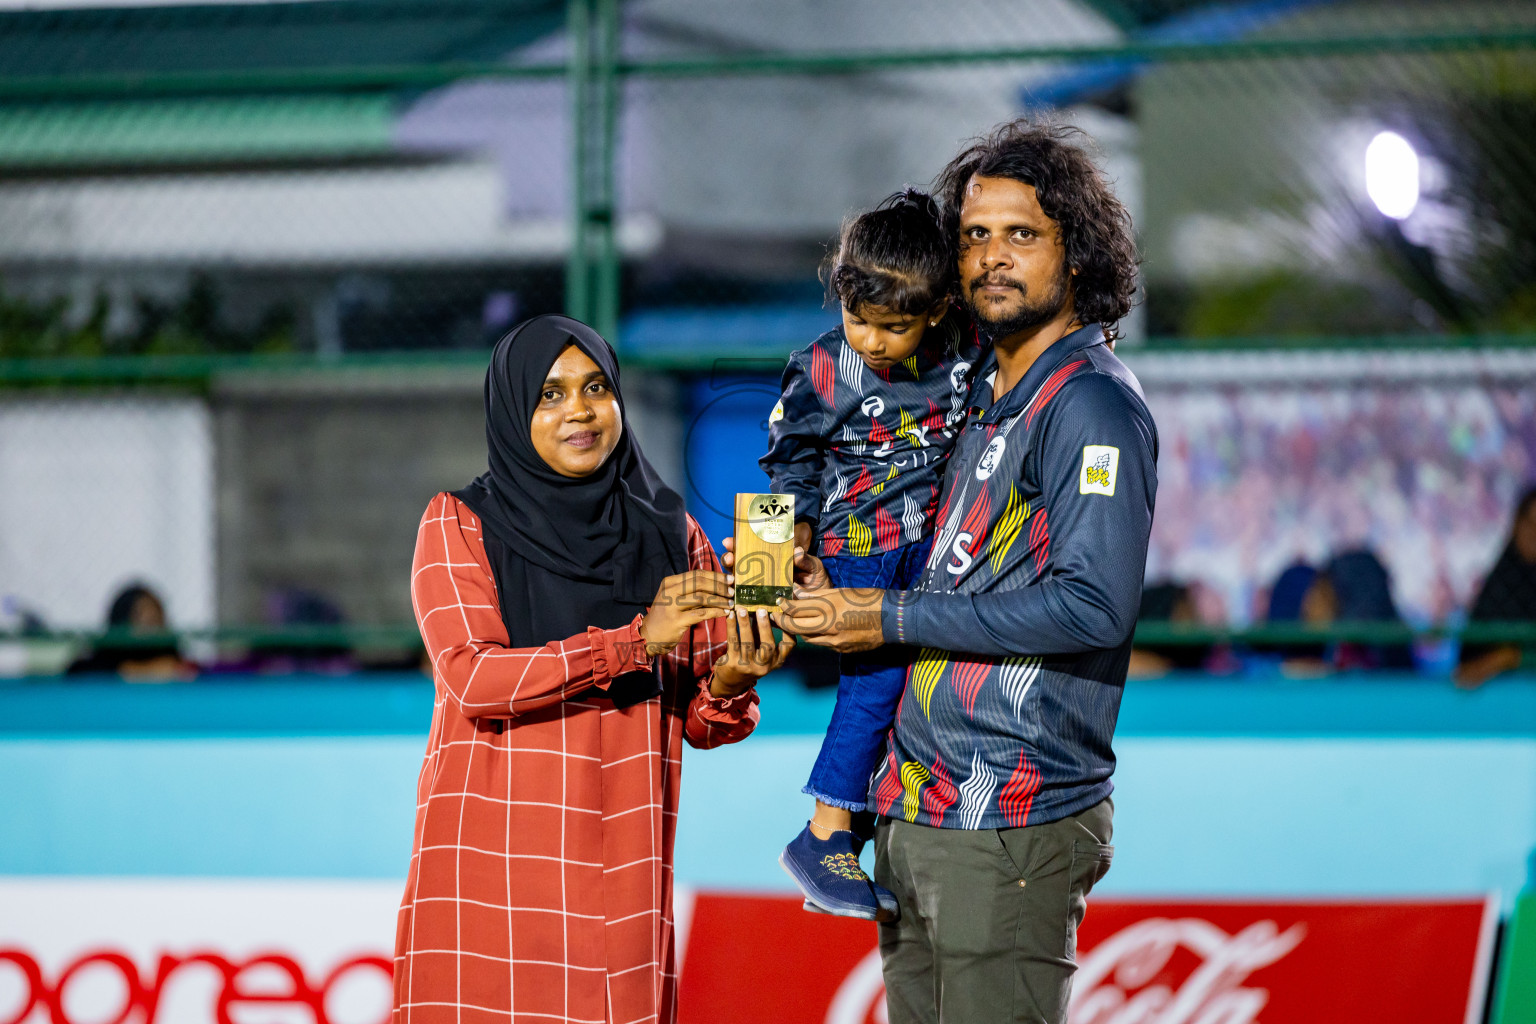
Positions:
(557, 802)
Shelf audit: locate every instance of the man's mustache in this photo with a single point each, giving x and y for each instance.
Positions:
(982, 280)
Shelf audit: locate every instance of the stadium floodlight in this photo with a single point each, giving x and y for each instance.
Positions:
(1392, 174)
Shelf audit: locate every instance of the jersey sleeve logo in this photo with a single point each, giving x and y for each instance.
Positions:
(1101, 463)
(778, 412)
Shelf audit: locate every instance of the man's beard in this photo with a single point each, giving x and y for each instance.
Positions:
(1033, 313)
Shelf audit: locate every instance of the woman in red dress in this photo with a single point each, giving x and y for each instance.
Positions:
(580, 629)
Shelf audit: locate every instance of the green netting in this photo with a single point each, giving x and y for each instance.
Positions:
(110, 133)
(293, 37)
(265, 246)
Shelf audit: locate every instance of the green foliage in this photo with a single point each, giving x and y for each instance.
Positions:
(191, 326)
(1284, 302)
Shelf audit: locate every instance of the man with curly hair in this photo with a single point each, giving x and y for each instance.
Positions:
(993, 802)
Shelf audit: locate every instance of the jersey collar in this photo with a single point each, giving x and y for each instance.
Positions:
(1014, 402)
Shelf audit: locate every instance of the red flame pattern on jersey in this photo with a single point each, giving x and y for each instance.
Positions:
(1018, 793)
(967, 677)
(887, 530)
(1040, 541)
(831, 543)
(1050, 387)
(823, 373)
(978, 519)
(889, 789)
(940, 796)
(938, 520)
(862, 484)
(934, 421)
(879, 433)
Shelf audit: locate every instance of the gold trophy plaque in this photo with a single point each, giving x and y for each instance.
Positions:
(765, 549)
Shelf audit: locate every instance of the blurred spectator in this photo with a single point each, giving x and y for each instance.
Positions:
(1167, 603)
(1300, 596)
(1359, 590)
(136, 610)
(16, 619)
(1354, 587)
(295, 606)
(1507, 595)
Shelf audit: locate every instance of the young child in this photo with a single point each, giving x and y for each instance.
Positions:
(868, 415)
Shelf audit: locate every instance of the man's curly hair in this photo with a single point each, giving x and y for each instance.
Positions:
(1072, 191)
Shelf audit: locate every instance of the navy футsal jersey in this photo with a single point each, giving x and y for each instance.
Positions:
(1028, 602)
(863, 450)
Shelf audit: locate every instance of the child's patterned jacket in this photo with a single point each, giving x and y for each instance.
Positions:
(863, 450)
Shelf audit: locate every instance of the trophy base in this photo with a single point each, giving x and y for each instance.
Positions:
(761, 596)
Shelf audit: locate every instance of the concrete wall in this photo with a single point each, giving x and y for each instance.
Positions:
(323, 489)
(322, 480)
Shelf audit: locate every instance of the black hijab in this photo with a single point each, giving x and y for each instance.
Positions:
(1509, 592)
(568, 553)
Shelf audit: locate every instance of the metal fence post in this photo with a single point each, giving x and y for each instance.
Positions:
(592, 270)
(576, 83)
(604, 209)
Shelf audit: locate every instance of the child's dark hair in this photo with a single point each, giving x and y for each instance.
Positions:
(894, 256)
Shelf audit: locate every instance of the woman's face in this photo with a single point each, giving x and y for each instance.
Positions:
(1320, 606)
(576, 424)
(147, 613)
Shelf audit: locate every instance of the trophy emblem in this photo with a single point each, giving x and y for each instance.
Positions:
(765, 549)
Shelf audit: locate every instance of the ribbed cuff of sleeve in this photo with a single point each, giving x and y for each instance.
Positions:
(727, 707)
(896, 616)
(617, 651)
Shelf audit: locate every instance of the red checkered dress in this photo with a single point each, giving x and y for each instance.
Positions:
(540, 886)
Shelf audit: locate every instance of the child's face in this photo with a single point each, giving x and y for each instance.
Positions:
(883, 337)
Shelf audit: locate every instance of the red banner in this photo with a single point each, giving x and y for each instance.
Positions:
(764, 959)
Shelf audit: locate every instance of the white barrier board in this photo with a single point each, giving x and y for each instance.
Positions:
(108, 951)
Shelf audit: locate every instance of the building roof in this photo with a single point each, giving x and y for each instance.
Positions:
(302, 35)
(49, 53)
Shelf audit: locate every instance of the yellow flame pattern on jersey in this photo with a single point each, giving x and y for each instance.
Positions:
(1007, 529)
(913, 775)
(925, 675)
(888, 478)
(861, 540)
(908, 429)
(911, 363)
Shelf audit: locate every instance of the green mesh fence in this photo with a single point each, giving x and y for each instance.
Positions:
(252, 256)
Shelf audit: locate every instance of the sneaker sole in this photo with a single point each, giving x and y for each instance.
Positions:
(817, 908)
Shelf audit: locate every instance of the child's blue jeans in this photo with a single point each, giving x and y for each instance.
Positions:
(869, 683)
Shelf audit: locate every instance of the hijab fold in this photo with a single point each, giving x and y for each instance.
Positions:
(568, 553)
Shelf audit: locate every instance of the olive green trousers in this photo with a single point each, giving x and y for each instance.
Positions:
(988, 926)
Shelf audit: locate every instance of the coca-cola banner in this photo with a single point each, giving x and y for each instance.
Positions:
(763, 959)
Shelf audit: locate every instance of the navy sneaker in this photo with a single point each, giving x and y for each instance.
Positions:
(828, 873)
